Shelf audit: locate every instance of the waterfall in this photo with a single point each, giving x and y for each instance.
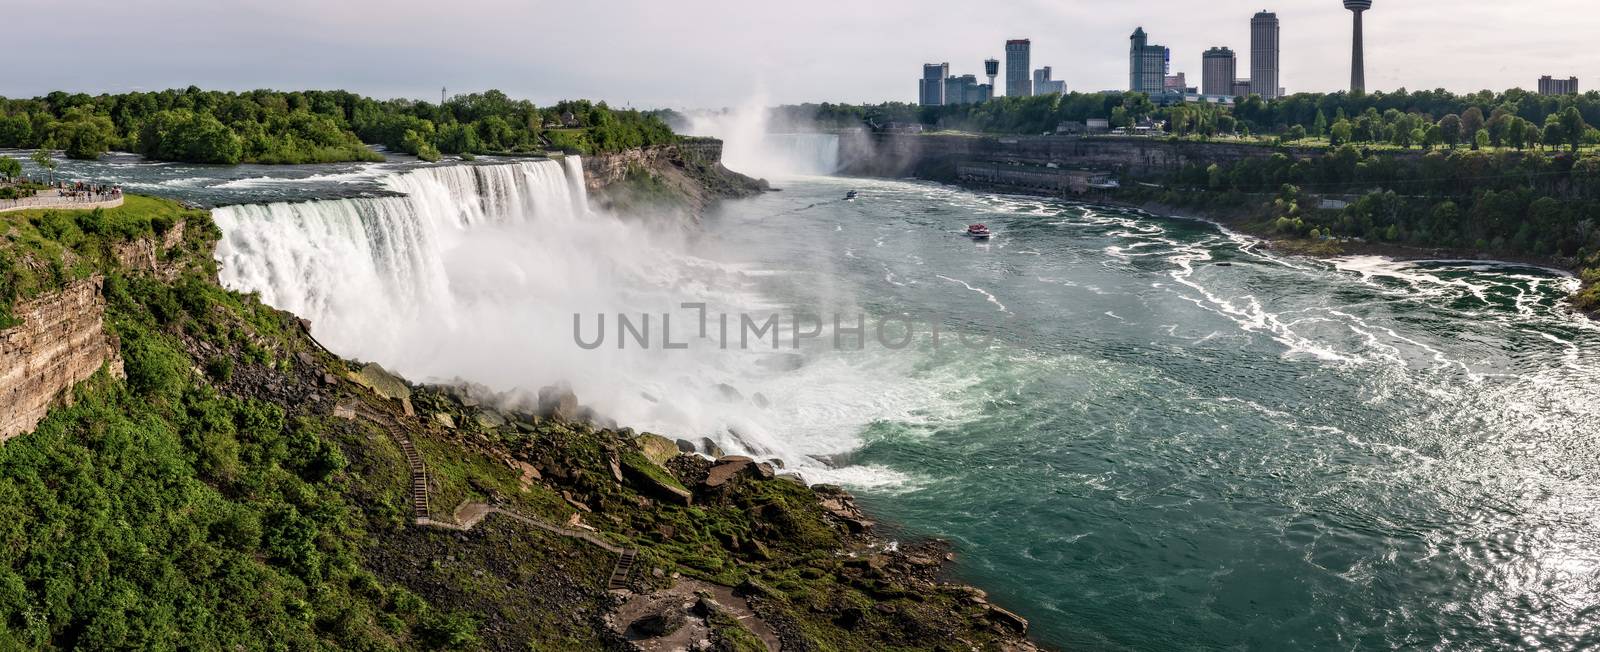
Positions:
(354, 266)
(477, 272)
(798, 153)
(752, 146)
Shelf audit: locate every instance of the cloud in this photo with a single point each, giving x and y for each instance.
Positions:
(710, 53)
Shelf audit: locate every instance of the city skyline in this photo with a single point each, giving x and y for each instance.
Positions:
(838, 51)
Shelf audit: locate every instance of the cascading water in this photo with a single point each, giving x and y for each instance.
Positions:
(478, 272)
(751, 146)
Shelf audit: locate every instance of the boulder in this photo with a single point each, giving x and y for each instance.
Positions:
(686, 446)
(657, 482)
(444, 419)
(730, 393)
(656, 448)
(381, 382)
(529, 474)
(665, 622)
(616, 468)
(1008, 620)
(726, 469)
(559, 402)
(710, 447)
(490, 419)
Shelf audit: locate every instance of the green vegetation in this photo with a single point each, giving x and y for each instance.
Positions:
(44, 249)
(1514, 119)
(266, 126)
(164, 512)
(1531, 205)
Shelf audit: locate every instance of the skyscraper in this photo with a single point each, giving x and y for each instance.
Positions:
(1044, 85)
(1551, 86)
(1218, 71)
(1264, 55)
(930, 89)
(1358, 64)
(965, 90)
(1019, 59)
(1147, 64)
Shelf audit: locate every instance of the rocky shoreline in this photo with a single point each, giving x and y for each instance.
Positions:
(1324, 249)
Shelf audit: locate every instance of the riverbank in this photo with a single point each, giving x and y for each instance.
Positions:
(1244, 220)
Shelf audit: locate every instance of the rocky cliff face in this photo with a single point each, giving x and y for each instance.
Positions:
(60, 342)
(685, 178)
(936, 156)
(149, 255)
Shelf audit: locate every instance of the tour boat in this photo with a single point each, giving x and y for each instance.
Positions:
(978, 231)
(850, 196)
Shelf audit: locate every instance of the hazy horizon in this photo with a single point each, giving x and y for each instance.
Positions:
(708, 54)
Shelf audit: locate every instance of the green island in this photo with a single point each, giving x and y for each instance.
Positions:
(276, 127)
(223, 482)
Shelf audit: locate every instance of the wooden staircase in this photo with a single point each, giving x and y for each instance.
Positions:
(419, 479)
(619, 575)
(423, 513)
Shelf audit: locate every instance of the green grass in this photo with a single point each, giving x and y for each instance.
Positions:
(42, 250)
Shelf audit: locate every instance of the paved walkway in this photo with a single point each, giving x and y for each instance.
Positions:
(47, 200)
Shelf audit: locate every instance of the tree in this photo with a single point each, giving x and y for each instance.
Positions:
(1471, 121)
(1320, 126)
(41, 158)
(1341, 132)
(10, 168)
(1531, 135)
(1119, 117)
(1295, 132)
(1553, 133)
(1450, 129)
(1516, 133)
(1481, 141)
(1434, 136)
(1572, 127)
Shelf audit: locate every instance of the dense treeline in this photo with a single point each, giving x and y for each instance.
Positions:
(1512, 119)
(1529, 204)
(267, 126)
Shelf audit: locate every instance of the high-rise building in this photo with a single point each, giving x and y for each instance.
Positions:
(930, 89)
(1358, 63)
(1219, 69)
(966, 90)
(1551, 86)
(1147, 64)
(1264, 55)
(1241, 88)
(1044, 85)
(1019, 60)
(1178, 82)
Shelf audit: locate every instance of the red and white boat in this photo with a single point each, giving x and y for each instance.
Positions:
(979, 231)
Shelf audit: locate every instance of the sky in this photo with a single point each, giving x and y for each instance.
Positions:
(716, 53)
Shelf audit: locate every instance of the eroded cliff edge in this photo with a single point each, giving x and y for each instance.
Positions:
(685, 178)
